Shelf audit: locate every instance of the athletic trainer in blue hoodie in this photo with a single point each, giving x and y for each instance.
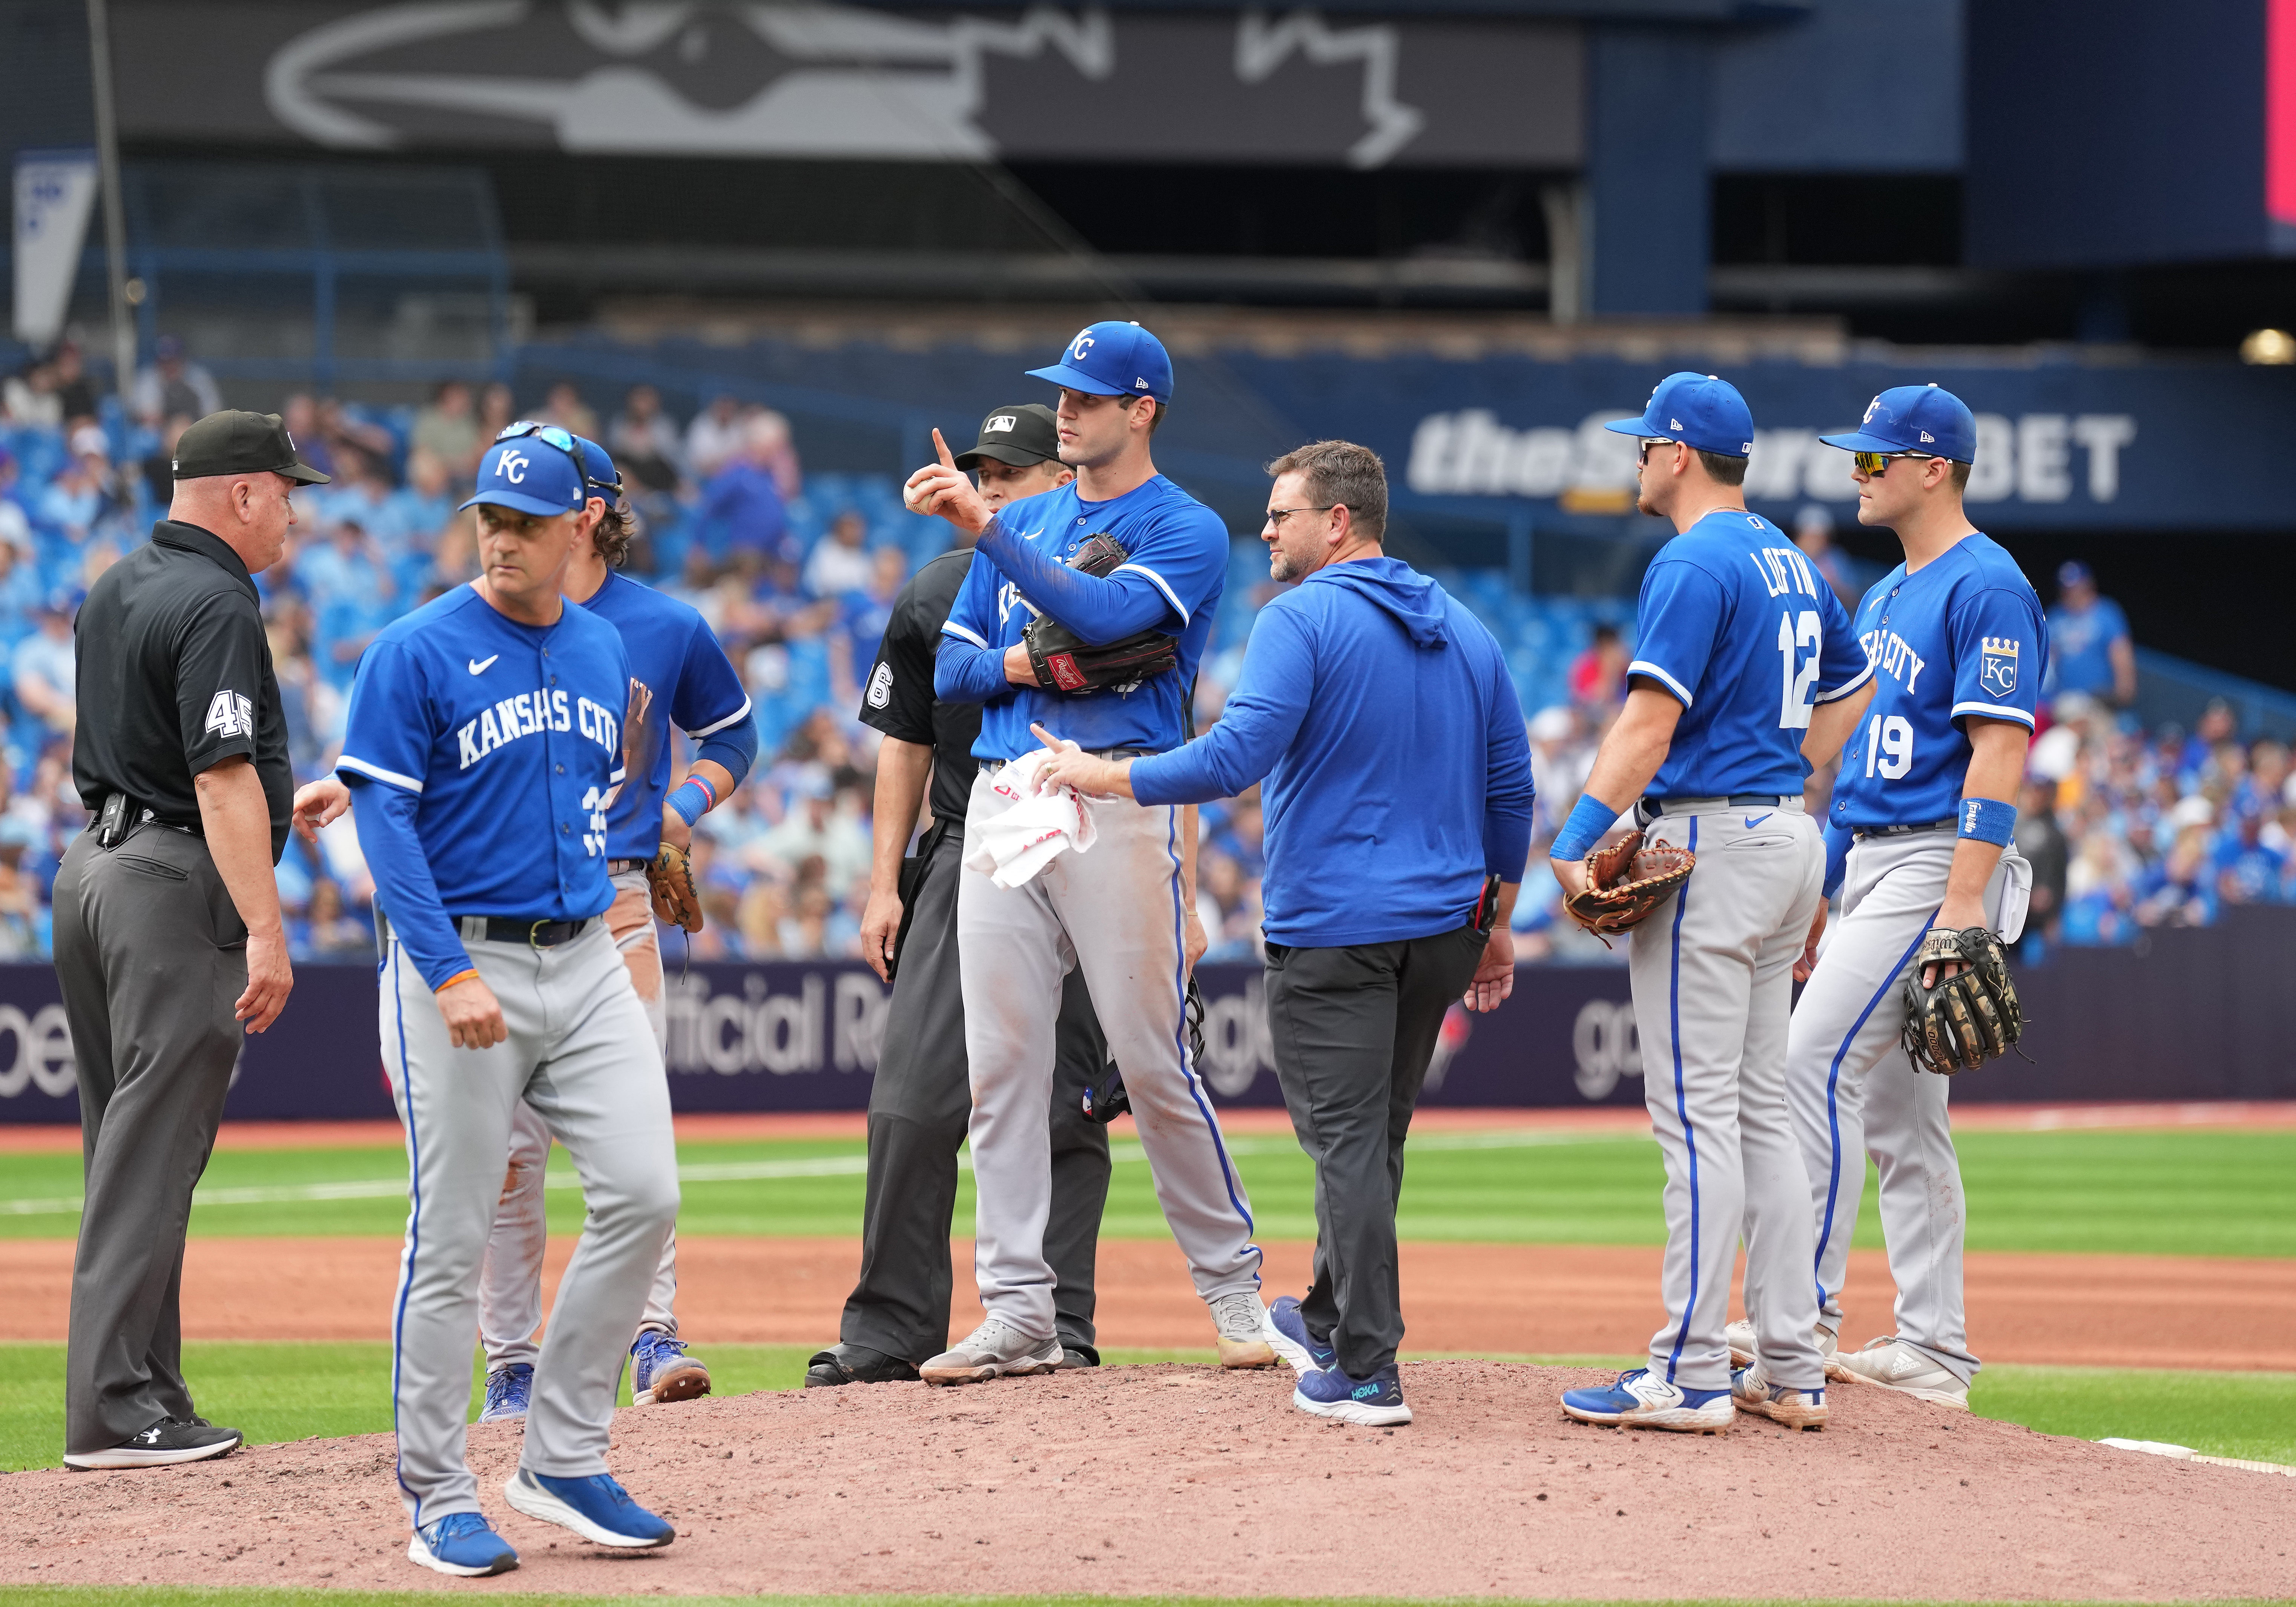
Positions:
(1381, 716)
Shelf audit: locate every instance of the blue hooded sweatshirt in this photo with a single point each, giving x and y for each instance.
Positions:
(1380, 714)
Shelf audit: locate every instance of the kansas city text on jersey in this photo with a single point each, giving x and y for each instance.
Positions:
(541, 709)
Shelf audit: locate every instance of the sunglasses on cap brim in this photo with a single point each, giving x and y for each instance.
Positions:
(553, 435)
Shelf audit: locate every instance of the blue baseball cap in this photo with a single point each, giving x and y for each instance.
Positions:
(598, 470)
(530, 475)
(1697, 410)
(2073, 572)
(1113, 359)
(1915, 418)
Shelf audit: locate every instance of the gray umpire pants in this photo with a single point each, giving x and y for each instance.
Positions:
(1353, 1029)
(1712, 973)
(919, 1106)
(580, 1053)
(151, 956)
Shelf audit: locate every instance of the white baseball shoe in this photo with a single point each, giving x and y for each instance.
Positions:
(1245, 1330)
(1895, 1365)
(1753, 1392)
(993, 1350)
(1740, 1337)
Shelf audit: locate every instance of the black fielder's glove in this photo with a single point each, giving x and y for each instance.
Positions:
(1960, 1022)
(1104, 1100)
(1064, 662)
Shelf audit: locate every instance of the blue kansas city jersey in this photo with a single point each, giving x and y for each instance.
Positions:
(1734, 623)
(677, 672)
(1175, 555)
(511, 737)
(1962, 636)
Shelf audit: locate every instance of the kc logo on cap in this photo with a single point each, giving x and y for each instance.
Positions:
(512, 467)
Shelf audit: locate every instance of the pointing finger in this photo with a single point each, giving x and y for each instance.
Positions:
(941, 447)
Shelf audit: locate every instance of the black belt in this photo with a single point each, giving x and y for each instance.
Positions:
(992, 766)
(1651, 808)
(616, 867)
(534, 934)
(1951, 823)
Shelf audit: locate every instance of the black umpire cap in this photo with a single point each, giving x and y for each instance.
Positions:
(236, 442)
(1021, 435)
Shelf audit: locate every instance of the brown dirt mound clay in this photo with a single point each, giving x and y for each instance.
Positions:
(1185, 1481)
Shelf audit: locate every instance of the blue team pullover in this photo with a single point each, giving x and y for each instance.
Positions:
(1382, 716)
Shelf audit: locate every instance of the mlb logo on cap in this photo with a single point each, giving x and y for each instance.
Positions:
(1112, 358)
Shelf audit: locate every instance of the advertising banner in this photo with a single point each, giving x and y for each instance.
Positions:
(54, 194)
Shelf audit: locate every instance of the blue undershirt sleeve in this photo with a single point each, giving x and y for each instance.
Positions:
(965, 674)
(384, 817)
(735, 748)
(1098, 611)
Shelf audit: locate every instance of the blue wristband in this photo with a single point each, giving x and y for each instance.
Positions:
(692, 798)
(1590, 818)
(1988, 820)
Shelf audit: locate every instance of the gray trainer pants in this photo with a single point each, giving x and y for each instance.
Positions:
(581, 1053)
(1353, 1029)
(151, 957)
(1712, 971)
(918, 1109)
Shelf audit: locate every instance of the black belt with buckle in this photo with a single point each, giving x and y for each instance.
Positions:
(1951, 823)
(534, 934)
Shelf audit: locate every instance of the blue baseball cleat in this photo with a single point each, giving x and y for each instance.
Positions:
(595, 1508)
(661, 1370)
(461, 1544)
(1374, 1402)
(509, 1391)
(1641, 1400)
(1293, 1342)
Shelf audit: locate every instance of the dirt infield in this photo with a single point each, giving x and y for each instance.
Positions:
(1122, 1483)
(1487, 1300)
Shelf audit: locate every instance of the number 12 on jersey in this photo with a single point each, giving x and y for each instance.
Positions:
(1795, 633)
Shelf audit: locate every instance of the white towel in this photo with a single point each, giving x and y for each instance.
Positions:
(1033, 828)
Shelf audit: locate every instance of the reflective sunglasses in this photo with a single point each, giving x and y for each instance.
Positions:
(553, 435)
(1643, 447)
(1878, 462)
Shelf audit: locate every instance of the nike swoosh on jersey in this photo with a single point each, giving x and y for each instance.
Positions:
(480, 666)
(1754, 820)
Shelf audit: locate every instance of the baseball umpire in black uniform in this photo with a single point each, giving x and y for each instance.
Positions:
(897, 1314)
(168, 935)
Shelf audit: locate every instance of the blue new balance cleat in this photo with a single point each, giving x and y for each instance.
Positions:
(1374, 1402)
(595, 1508)
(1293, 1342)
(661, 1370)
(509, 1391)
(461, 1544)
(1641, 1400)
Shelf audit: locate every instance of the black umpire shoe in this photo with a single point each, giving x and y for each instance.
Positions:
(165, 1443)
(857, 1365)
(1074, 1355)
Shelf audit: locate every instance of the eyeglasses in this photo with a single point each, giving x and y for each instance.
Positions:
(1276, 516)
(1878, 462)
(1643, 447)
(565, 440)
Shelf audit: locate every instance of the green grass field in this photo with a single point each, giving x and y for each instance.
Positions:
(2205, 1192)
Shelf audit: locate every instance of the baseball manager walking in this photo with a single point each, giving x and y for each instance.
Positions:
(1398, 798)
(168, 932)
(485, 745)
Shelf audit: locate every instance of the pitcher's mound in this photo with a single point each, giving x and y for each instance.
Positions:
(1190, 1481)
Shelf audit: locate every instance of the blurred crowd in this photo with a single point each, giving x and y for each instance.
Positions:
(797, 573)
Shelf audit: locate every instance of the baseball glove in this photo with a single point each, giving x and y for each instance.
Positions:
(669, 879)
(1064, 662)
(1625, 882)
(1969, 1018)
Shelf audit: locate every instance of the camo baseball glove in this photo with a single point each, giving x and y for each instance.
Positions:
(1625, 882)
(669, 880)
(1960, 1022)
(1064, 661)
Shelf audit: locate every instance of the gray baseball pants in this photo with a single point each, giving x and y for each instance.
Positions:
(151, 956)
(1114, 912)
(582, 1055)
(510, 1281)
(1712, 973)
(1854, 1092)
